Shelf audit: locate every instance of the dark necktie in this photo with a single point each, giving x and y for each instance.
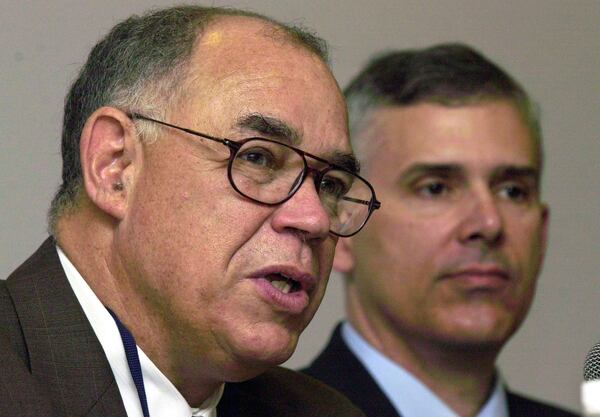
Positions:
(133, 360)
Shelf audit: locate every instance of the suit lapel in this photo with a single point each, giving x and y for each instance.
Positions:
(339, 368)
(64, 353)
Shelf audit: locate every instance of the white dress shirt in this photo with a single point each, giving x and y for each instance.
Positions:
(164, 400)
(409, 396)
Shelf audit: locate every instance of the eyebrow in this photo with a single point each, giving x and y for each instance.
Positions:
(282, 132)
(444, 170)
(270, 127)
(347, 161)
(448, 170)
(510, 171)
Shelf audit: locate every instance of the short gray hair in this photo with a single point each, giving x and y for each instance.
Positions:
(448, 74)
(141, 65)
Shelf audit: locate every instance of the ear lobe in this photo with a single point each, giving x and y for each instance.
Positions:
(343, 260)
(107, 151)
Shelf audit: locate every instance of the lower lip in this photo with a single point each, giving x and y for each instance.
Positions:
(293, 302)
(475, 281)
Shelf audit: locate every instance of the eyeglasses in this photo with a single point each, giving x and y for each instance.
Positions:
(270, 172)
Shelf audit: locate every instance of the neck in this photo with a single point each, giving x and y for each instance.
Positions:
(461, 376)
(90, 244)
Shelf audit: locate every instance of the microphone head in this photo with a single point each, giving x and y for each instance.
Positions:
(591, 366)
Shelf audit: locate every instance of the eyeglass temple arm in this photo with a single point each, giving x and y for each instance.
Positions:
(375, 204)
(191, 132)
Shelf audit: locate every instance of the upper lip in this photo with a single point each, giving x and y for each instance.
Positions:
(480, 269)
(305, 279)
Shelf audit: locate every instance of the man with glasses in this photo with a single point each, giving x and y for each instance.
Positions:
(438, 282)
(207, 176)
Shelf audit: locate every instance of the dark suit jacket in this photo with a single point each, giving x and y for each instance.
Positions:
(338, 367)
(51, 363)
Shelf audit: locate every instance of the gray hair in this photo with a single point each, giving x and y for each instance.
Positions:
(141, 65)
(448, 74)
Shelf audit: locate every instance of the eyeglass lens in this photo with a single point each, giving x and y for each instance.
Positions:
(270, 172)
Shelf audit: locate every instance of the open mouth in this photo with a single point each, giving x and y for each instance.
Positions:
(287, 288)
(283, 283)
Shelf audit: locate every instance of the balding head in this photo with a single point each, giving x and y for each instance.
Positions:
(141, 65)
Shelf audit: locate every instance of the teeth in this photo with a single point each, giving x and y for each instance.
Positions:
(283, 286)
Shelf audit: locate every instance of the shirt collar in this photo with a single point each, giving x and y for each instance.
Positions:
(163, 398)
(409, 396)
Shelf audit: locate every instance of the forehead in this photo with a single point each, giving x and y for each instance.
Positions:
(483, 135)
(245, 66)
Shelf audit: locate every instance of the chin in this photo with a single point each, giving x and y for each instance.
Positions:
(490, 338)
(485, 323)
(260, 350)
(472, 340)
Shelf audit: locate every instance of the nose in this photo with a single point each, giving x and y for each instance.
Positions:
(303, 213)
(482, 220)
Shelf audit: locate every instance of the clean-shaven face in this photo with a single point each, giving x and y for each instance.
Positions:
(453, 255)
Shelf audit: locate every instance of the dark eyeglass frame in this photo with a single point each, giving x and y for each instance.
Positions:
(235, 145)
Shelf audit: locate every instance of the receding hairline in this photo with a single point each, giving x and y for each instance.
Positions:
(365, 124)
(265, 27)
(270, 29)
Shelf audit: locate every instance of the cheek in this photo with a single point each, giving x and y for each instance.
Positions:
(404, 240)
(526, 243)
(527, 253)
(323, 257)
(214, 219)
(397, 253)
(181, 229)
(404, 252)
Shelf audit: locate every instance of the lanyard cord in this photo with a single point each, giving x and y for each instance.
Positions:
(133, 360)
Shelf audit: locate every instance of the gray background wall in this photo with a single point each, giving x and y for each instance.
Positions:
(551, 46)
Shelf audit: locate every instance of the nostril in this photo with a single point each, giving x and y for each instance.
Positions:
(489, 236)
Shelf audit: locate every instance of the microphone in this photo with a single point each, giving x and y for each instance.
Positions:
(590, 389)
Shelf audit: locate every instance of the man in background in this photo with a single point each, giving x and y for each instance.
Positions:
(441, 279)
(207, 175)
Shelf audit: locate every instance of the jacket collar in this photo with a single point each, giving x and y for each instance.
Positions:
(63, 351)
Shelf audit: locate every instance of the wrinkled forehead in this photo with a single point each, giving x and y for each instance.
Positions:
(244, 66)
(487, 133)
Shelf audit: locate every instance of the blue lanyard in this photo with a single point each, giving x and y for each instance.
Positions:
(133, 360)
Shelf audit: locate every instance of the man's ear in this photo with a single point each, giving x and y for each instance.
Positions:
(343, 260)
(108, 150)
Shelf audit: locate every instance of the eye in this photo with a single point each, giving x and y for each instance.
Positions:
(515, 192)
(258, 157)
(334, 186)
(433, 188)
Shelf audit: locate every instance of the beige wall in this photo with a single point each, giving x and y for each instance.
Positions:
(551, 46)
